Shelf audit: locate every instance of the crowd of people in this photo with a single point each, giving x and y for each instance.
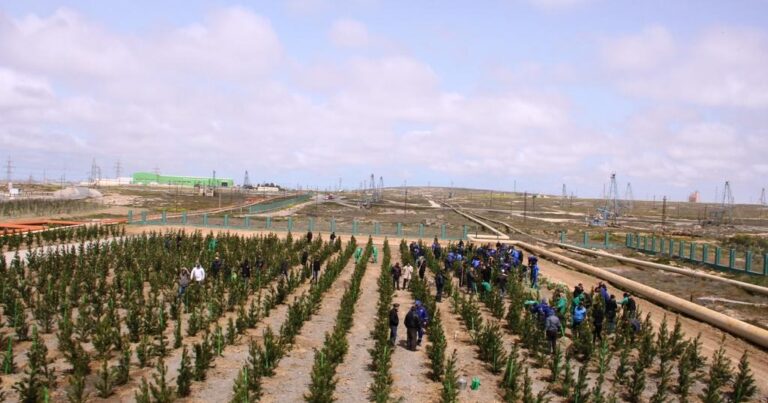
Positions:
(479, 269)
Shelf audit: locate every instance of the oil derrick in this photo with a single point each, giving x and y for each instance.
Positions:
(247, 182)
(724, 213)
(612, 201)
(564, 197)
(629, 198)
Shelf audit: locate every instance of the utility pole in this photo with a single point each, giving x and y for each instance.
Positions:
(405, 203)
(762, 197)
(663, 213)
(525, 207)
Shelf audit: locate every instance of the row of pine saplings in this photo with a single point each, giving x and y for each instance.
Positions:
(648, 353)
(99, 324)
(264, 357)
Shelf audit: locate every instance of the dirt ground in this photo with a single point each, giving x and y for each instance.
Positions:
(711, 337)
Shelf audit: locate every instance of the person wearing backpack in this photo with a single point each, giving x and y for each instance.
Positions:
(552, 329)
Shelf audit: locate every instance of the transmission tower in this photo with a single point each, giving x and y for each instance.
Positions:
(762, 197)
(8, 170)
(629, 198)
(95, 175)
(727, 204)
(118, 169)
(246, 181)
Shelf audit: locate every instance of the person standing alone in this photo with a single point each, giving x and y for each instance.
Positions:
(412, 325)
(394, 321)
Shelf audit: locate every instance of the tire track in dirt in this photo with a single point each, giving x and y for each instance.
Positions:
(292, 375)
(410, 369)
(354, 376)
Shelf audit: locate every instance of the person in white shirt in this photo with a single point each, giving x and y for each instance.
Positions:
(407, 273)
(198, 273)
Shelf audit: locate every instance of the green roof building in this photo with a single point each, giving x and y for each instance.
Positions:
(149, 178)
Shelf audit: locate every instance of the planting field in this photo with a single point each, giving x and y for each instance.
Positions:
(98, 314)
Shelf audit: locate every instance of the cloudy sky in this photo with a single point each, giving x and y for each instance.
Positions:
(670, 95)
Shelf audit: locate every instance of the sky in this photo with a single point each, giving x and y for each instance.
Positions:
(522, 95)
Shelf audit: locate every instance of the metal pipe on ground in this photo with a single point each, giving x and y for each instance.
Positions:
(744, 330)
(642, 263)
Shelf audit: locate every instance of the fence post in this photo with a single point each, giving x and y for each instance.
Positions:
(130, 216)
(637, 241)
(399, 229)
(705, 253)
(748, 261)
(765, 264)
(627, 239)
(184, 218)
(465, 234)
(562, 237)
(718, 255)
(268, 223)
(586, 239)
(226, 220)
(653, 243)
(692, 252)
(205, 220)
(163, 218)
(662, 243)
(731, 259)
(682, 250)
(645, 243)
(290, 224)
(421, 231)
(607, 239)
(442, 231)
(247, 222)
(144, 217)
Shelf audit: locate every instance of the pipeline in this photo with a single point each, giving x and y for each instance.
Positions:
(739, 328)
(641, 263)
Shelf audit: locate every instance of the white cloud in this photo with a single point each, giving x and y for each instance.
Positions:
(349, 33)
(724, 67)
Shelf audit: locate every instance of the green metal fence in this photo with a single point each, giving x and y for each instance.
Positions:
(729, 260)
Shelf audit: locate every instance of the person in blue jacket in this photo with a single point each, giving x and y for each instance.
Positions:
(421, 310)
(579, 314)
(534, 266)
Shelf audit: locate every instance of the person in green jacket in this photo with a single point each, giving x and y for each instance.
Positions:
(358, 254)
(561, 307)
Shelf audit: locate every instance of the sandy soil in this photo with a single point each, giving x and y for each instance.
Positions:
(353, 375)
(410, 369)
(292, 376)
(711, 337)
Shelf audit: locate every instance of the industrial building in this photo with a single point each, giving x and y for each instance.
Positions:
(149, 178)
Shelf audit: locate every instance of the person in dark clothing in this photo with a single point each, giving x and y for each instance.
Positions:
(610, 313)
(629, 305)
(578, 290)
(422, 268)
(394, 321)
(412, 324)
(552, 330)
(333, 236)
(245, 270)
(304, 258)
(284, 268)
(316, 270)
(439, 283)
(216, 266)
(396, 271)
(309, 236)
(178, 241)
(597, 322)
